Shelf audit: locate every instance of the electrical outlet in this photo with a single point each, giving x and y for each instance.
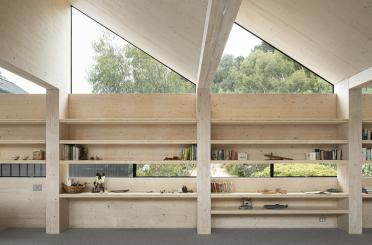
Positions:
(37, 187)
(322, 219)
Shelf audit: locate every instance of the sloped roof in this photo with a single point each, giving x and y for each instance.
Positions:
(170, 31)
(331, 37)
(10, 88)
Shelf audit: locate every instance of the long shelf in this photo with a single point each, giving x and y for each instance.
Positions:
(278, 161)
(22, 121)
(126, 162)
(290, 210)
(279, 142)
(128, 142)
(143, 121)
(368, 142)
(367, 121)
(279, 196)
(128, 195)
(22, 142)
(367, 196)
(4, 161)
(294, 121)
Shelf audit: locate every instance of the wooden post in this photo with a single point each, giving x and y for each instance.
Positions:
(355, 161)
(56, 219)
(349, 176)
(203, 115)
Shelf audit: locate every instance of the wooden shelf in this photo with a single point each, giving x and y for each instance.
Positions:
(278, 142)
(22, 142)
(369, 142)
(367, 162)
(141, 121)
(22, 121)
(22, 161)
(131, 195)
(278, 161)
(279, 121)
(128, 142)
(290, 210)
(367, 121)
(367, 196)
(125, 162)
(278, 196)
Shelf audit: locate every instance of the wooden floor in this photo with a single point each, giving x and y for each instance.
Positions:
(184, 236)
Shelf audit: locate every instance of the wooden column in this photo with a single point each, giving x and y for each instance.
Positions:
(355, 161)
(203, 115)
(349, 176)
(55, 218)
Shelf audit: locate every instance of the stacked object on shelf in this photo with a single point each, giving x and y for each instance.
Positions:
(189, 153)
(224, 154)
(367, 154)
(366, 134)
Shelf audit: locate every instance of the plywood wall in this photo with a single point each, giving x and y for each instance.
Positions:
(367, 106)
(22, 106)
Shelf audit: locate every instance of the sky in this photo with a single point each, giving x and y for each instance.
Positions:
(85, 31)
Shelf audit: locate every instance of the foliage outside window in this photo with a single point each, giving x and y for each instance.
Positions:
(367, 90)
(165, 170)
(367, 170)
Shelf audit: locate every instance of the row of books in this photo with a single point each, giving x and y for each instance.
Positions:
(189, 153)
(367, 154)
(224, 154)
(75, 152)
(221, 187)
(366, 134)
(319, 154)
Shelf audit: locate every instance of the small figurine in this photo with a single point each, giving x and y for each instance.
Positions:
(99, 158)
(184, 189)
(98, 184)
(25, 158)
(247, 204)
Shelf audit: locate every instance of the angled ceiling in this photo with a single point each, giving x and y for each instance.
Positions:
(332, 38)
(171, 31)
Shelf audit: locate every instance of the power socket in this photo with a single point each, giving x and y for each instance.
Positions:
(322, 219)
(37, 187)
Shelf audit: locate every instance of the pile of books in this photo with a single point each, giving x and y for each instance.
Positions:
(319, 154)
(224, 154)
(75, 152)
(189, 153)
(367, 154)
(221, 187)
(366, 134)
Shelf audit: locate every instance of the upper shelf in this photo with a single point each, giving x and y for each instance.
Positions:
(290, 210)
(22, 121)
(22, 142)
(279, 121)
(278, 161)
(367, 120)
(126, 162)
(141, 121)
(278, 142)
(191, 121)
(5, 161)
(128, 142)
(367, 141)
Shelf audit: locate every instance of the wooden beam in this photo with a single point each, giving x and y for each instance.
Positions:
(219, 20)
(203, 103)
(362, 79)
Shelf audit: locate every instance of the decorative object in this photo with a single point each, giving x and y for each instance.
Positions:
(98, 158)
(276, 206)
(98, 184)
(225, 186)
(247, 204)
(38, 155)
(273, 157)
(25, 158)
(71, 186)
(119, 191)
(16, 157)
(311, 156)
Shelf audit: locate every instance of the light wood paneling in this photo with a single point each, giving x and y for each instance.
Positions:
(22, 106)
(273, 106)
(22, 207)
(367, 106)
(132, 106)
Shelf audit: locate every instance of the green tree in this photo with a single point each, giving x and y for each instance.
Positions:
(127, 69)
(169, 170)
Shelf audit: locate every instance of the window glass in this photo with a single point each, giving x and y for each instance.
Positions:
(165, 170)
(110, 170)
(11, 83)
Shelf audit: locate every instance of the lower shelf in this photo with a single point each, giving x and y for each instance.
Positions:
(131, 195)
(367, 196)
(279, 196)
(291, 210)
